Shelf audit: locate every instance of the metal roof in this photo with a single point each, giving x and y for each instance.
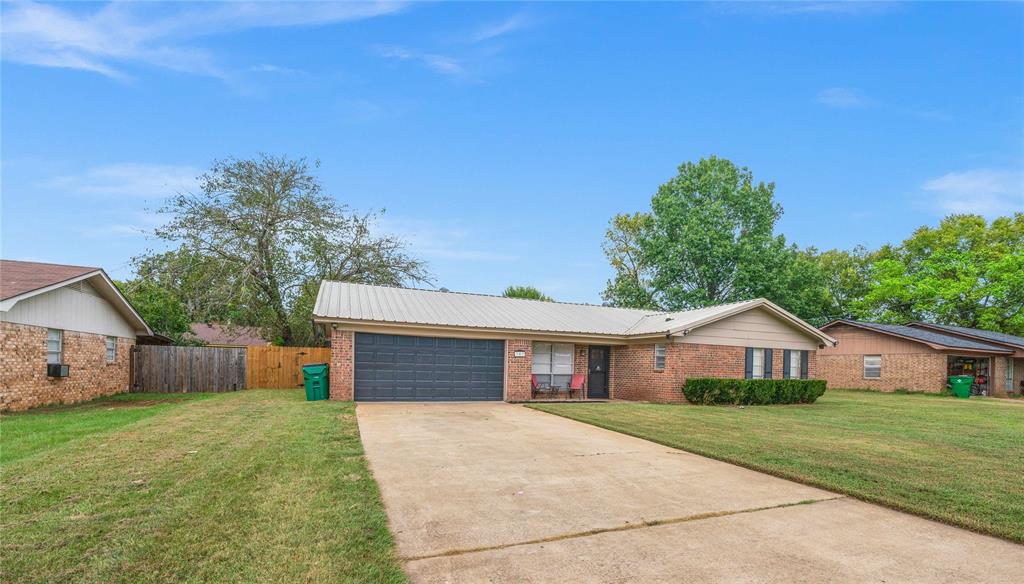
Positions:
(925, 336)
(409, 306)
(990, 335)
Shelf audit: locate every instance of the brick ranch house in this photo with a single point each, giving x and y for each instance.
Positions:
(52, 315)
(919, 357)
(396, 344)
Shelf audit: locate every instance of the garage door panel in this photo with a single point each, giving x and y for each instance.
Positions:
(398, 367)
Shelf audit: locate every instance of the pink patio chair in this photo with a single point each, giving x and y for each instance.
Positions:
(576, 384)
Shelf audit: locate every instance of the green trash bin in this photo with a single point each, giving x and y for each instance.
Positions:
(317, 384)
(961, 385)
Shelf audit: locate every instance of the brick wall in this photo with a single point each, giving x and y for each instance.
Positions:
(23, 380)
(913, 371)
(342, 373)
(636, 378)
(518, 369)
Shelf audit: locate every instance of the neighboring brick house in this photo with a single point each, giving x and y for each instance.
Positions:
(66, 334)
(919, 357)
(399, 344)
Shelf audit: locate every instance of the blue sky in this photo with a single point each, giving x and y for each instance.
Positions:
(500, 138)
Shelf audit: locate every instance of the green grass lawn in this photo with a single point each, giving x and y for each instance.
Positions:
(956, 461)
(249, 486)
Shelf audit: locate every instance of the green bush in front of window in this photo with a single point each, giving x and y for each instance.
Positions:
(751, 392)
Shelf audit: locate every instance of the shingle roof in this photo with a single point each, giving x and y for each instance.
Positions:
(925, 335)
(219, 334)
(346, 301)
(990, 335)
(17, 278)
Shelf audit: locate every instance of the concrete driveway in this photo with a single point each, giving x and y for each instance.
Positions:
(500, 493)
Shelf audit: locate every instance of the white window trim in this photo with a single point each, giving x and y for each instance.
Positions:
(865, 367)
(110, 344)
(664, 354)
(60, 346)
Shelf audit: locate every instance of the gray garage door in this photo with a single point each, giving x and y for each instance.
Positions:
(400, 368)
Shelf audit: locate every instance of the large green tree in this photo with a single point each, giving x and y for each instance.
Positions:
(159, 307)
(258, 238)
(965, 272)
(709, 238)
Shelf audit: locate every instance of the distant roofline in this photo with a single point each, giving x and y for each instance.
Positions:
(956, 331)
(872, 326)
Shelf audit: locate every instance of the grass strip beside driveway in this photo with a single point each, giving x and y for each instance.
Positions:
(247, 486)
(955, 461)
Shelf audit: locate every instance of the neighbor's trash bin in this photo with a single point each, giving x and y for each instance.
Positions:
(961, 385)
(317, 384)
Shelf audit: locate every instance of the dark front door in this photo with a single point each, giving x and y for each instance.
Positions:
(597, 380)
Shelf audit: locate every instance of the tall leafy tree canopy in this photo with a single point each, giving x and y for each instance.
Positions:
(965, 272)
(710, 238)
(528, 292)
(256, 240)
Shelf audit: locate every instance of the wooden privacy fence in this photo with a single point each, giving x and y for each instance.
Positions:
(269, 366)
(166, 369)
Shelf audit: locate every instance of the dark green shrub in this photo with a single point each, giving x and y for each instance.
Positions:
(710, 390)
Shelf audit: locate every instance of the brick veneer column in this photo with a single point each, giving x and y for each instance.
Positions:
(23, 380)
(342, 364)
(581, 365)
(517, 369)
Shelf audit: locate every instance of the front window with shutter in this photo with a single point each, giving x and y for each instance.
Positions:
(552, 364)
(757, 365)
(795, 364)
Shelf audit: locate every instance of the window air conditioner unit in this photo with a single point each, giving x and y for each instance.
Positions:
(57, 370)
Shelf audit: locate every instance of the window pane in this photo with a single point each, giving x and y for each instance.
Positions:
(561, 380)
(53, 345)
(794, 364)
(659, 356)
(872, 366)
(758, 364)
(562, 363)
(53, 335)
(541, 358)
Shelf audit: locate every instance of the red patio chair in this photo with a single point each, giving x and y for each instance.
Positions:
(576, 384)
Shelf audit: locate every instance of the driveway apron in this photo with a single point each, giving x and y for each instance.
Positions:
(498, 492)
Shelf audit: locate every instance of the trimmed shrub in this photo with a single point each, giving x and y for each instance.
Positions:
(748, 392)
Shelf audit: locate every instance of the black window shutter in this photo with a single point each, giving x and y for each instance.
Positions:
(786, 373)
(803, 364)
(767, 363)
(748, 365)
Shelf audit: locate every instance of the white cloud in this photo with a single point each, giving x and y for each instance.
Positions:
(128, 179)
(982, 191)
(844, 98)
(494, 30)
(442, 241)
(438, 63)
(105, 41)
(269, 68)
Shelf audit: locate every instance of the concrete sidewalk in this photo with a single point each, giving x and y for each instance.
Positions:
(498, 492)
